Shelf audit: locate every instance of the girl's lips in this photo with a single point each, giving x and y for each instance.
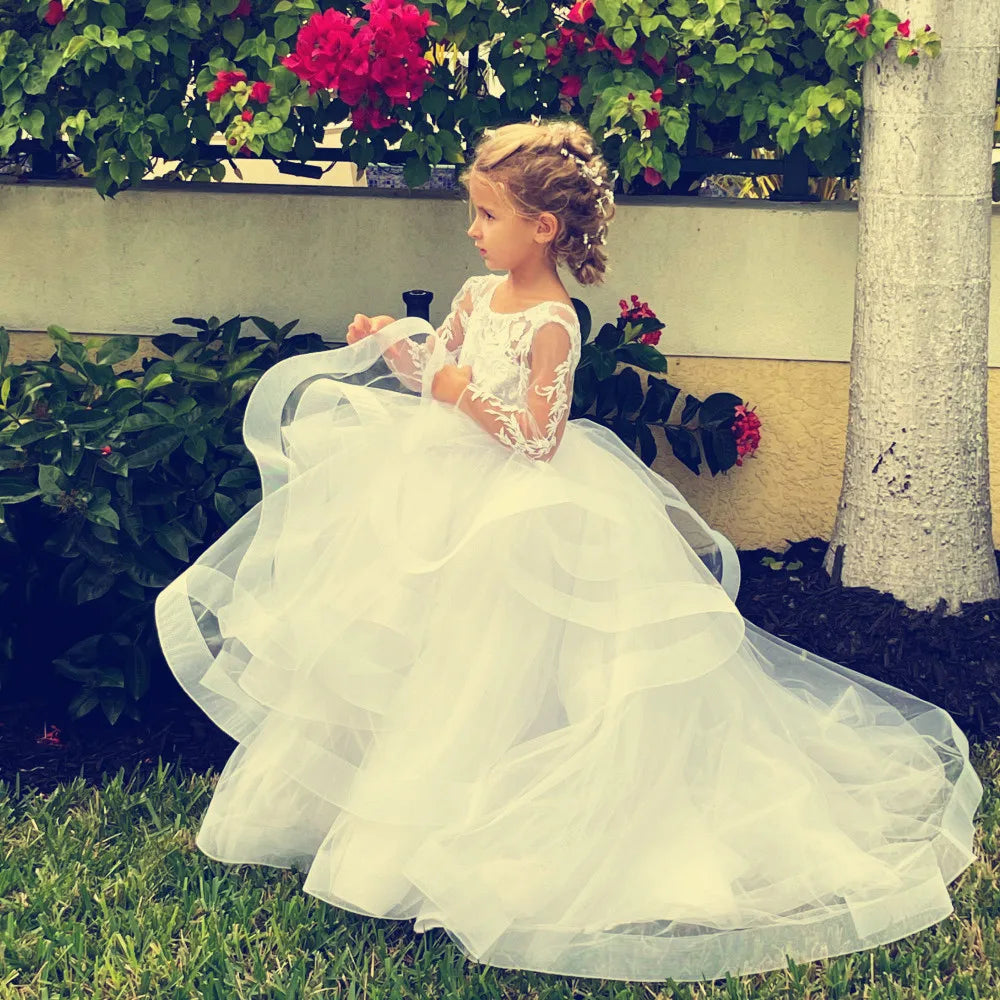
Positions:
(482, 251)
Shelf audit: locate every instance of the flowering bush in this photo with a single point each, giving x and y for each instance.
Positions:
(718, 431)
(114, 78)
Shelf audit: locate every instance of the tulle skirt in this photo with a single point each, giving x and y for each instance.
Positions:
(515, 700)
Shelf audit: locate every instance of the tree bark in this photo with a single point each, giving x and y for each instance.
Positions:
(914, 514)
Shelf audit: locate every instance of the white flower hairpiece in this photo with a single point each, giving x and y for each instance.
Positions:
(593, 173)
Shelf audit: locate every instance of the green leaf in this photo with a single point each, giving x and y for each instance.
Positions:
(196, 447)
(226, 508)
(416, 172)
(232, 31)
(103, 514)
(725, 54)
(16, 487)
(157, 381)
(171, 539)
(157, 10)
(155, 445)
(116, 349)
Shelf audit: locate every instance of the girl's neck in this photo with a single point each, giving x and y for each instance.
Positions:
(531, 279)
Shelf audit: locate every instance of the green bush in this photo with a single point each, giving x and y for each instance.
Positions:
(648, 79)
(111, 482)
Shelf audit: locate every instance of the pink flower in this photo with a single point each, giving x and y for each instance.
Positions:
(582, 11)
(106, 450)
(625, 56)
(571, 86)
(653, 337)
(903, 28)
(652, 119)
(860, 24)
(242, 9)
(601, 44)
(746, 430)
(247, 115)
(657, 95)
(54, 14)
(260, 92)
(652, 177)
(246, 151)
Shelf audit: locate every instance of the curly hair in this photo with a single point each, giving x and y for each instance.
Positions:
(555, 167)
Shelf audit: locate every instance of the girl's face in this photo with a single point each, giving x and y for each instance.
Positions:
(505, 240)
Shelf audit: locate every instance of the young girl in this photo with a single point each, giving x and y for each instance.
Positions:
(486, 672)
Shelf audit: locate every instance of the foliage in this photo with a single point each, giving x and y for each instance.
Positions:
(614, 396)
(116, 77)
(110, 483)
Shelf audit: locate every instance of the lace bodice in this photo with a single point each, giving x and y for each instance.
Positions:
(522, 363)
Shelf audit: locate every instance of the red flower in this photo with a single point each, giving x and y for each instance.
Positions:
(656, 66)
(657, 95)
(860, 24)
(746, 430)
(106, 450)
(625, 56)
(379, 62)
(903, 28)
(652, 177)
(224, 81)
(242, 9)
(54, 14)
(601, 44)
(260, 92)
(636, 312)
(570, 86)
(927, 27)
(246, 151)
(553, 54)
(364, 117)
(652, 119)
(50, 736)
(582, 11)
(247, 115)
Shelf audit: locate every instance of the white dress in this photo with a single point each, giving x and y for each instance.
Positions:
(488, 675)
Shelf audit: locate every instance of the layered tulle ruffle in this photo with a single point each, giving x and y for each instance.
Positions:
(514, 699)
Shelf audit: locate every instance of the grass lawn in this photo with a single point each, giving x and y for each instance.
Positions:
(103, 893)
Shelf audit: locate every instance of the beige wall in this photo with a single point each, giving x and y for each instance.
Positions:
(757, 300)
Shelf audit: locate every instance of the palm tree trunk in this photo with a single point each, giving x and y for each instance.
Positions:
(914, 513)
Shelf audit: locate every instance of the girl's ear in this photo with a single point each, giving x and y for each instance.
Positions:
(547, 228)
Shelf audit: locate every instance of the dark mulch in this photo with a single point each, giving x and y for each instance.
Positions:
(949, 660)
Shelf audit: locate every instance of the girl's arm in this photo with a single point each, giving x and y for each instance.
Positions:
(535, 429)
(407, 358)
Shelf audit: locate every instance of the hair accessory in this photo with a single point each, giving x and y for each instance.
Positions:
(536, 120)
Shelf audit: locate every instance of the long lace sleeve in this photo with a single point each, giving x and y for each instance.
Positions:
(536, 428)
(407, 358)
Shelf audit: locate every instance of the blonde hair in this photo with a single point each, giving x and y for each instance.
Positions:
(552, 167)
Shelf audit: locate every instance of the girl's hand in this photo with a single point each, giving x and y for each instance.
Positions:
(364, 326)
(450, 382)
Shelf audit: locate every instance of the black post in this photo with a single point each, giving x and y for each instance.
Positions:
(795, 178)
(418, 303)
